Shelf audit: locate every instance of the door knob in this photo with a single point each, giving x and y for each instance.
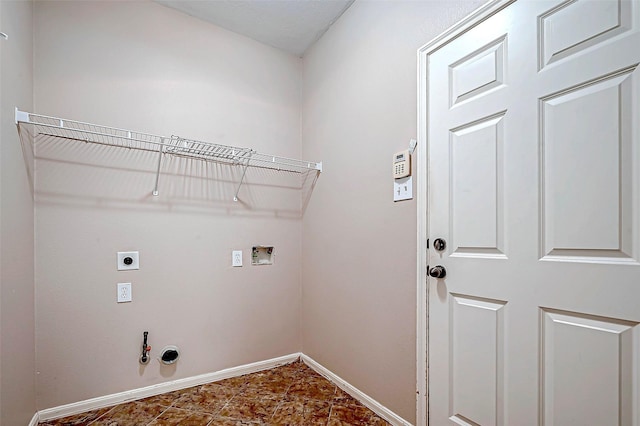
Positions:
(439, 244)
(438, 271)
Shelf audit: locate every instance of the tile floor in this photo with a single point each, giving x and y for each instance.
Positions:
(292, 394)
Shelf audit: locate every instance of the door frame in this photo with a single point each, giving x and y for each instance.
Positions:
(422, 197)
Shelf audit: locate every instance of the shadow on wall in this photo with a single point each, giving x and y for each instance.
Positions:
(28, 151)
(88, 175)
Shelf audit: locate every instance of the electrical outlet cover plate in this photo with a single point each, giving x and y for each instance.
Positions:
(236, 258)
(128, 260)
(403, 188)
(124, 292)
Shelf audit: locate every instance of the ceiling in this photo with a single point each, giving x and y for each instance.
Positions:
(289, 25)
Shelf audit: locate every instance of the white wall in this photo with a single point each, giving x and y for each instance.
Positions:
(141, 66)
(359, 248)
(17, 342)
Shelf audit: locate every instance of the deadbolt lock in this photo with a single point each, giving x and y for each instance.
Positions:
(439, 244)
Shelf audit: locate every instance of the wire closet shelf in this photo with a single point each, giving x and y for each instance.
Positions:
(174, 145)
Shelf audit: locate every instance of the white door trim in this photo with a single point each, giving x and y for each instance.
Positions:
(422, 328)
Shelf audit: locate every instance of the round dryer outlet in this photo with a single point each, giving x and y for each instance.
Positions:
(169, 355)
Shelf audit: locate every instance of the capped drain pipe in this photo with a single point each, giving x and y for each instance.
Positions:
(145, 358)
(169, 355)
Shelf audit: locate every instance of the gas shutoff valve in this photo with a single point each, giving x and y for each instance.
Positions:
(144, 358)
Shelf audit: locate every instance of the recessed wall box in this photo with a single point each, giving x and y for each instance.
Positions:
(262, 255)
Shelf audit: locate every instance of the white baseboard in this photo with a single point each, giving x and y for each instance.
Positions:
(365, 399)
(118, 398)
(132, 395)
(34, 420)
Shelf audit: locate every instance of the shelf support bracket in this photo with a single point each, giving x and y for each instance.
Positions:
(21, 116)
(160, 153)
(244, 171)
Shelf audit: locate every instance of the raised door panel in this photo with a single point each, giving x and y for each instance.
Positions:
(587, 369)
(477, 188)
(574, 26)
(477, 361)
(587, 171)
(478, 73)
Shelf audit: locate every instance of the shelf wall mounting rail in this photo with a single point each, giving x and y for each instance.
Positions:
(174, 145)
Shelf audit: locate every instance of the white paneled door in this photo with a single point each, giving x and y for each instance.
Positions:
(531, 115)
